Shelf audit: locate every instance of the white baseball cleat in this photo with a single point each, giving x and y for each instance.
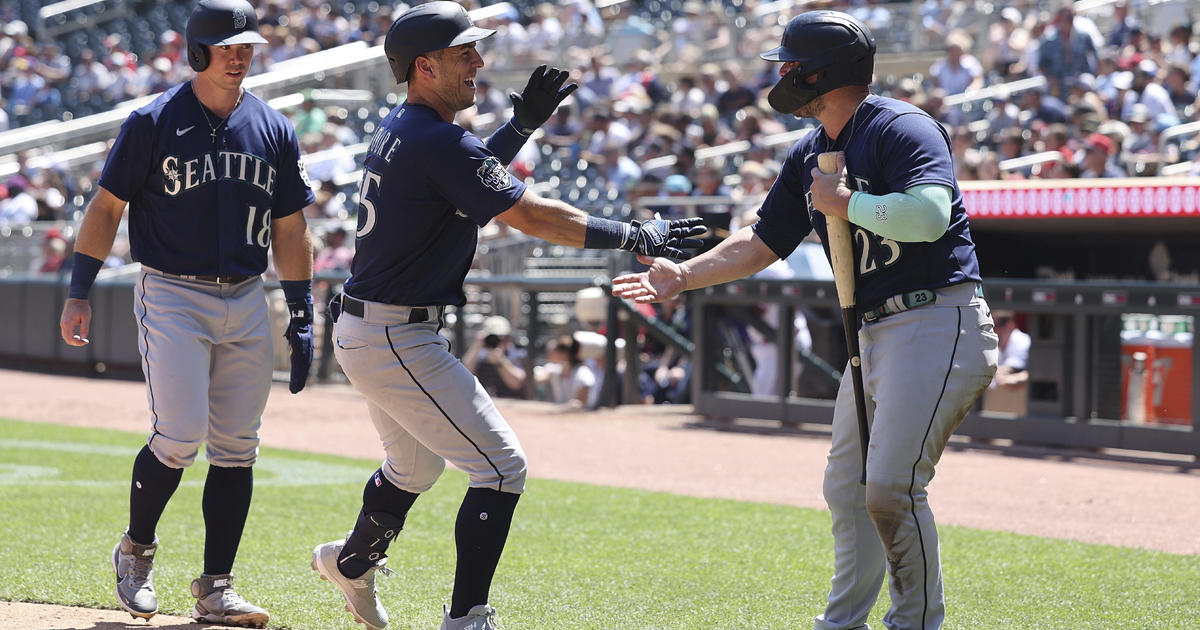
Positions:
(361, 599)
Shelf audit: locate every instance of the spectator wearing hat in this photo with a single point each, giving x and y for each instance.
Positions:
(1144, 89)
(495, 360)
(1066, 51)
(335, 256)
(53, 258)
(1097, 158)
(1139, 140)
(1007, 40)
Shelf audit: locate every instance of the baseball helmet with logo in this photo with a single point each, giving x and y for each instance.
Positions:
(219, 23)
(426, 28)
(837, 48)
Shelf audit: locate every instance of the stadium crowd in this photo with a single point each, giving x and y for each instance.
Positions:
(649, 91)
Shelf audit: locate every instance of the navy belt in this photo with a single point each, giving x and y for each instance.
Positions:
(416, 314)
(906, 302)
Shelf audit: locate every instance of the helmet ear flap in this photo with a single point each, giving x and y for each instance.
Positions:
(197, 56)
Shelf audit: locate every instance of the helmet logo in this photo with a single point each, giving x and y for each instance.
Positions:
(239, 19)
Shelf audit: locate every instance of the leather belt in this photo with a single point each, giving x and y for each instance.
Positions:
(906, 302)
(416, 314)
(213, 279)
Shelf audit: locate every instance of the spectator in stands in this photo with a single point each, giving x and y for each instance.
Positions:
(1012, 369)
(488, 100)
(737, 94)
(1123, 25)
(620, 171)
(1043, 105)
(309, 119)
(958, 71)
(666, 371)
(1180, 88)
(1066, 52)
(20, 208)
(1139, 140)
(335, 255)
(53, 258)
(567, 377)
(1097, 158)
(1007, 40)
(1145, 90)
(495, 360)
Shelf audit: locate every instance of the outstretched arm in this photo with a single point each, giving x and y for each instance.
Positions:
(564, 224)
(740, 255)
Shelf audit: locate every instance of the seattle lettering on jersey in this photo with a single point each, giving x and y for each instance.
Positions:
(233, 165)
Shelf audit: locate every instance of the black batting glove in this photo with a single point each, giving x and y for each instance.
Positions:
(662, 237)
(299, 335)
(537, 102)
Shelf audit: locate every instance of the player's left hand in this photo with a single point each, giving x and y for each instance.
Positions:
(830, 195)
(300, 339)
(542, 94)
(662, 237)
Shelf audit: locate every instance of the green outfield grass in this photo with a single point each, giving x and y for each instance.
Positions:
(579, 557)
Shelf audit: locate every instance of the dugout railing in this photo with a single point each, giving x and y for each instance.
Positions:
(1079, 363)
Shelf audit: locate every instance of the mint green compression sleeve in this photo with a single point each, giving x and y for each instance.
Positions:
(919, 214)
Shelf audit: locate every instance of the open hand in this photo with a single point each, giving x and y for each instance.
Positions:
(661, 282)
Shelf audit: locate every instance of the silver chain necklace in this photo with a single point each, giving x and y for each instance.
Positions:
(214, 128)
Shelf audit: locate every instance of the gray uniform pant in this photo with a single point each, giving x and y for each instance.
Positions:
(922, 371)
(425, 404)
(206, 355)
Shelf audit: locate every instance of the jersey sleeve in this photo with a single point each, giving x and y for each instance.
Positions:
(783, 219)
(129, 161)
(474, 180)
(914, 150)
(294, 190)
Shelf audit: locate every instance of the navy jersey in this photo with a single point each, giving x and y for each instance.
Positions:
(199, 207)
(890, 147)
(427, 188)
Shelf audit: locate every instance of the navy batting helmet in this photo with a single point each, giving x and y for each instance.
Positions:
(219, 23)
(839, 49)
(426, 28)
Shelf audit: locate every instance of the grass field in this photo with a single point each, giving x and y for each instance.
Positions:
(579, 556)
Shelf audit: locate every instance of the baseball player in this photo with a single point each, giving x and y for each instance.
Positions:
(212, 176)
(927, 339)
(428, 185)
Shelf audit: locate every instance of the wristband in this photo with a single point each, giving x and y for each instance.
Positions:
(83, 274)
(605, 233)
(297, 290)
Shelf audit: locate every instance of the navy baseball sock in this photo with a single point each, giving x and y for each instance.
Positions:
(153, 484)
(479, 535)
(382, 516)
(226, 503)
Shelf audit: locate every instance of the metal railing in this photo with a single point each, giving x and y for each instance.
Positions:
(1076, 366)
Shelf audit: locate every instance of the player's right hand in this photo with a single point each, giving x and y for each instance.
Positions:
(75, 321)
(662, 237)
(661, 282)
(542, 94)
